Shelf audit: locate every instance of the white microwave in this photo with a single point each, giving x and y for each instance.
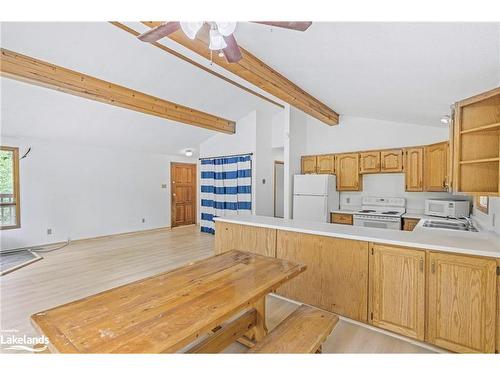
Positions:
(447, 208)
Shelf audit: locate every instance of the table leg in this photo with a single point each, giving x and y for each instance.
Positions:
(259, 331)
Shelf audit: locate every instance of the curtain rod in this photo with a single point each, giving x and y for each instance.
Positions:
(226, 156)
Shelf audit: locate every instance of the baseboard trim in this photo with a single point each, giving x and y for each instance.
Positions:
(89, 239)
(376, 329)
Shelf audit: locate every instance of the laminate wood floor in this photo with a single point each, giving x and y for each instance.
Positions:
(88, 267)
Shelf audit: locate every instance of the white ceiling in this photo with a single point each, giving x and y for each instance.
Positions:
(104, 51)
(399, 72)
(407, 72)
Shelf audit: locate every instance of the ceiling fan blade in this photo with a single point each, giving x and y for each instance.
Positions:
(232, 51)
(294, 25)
(159, 32)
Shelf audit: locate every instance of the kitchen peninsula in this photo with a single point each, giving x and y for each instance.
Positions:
(410, 283)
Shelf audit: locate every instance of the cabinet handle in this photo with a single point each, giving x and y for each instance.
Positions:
(421, 264)
(433, 267)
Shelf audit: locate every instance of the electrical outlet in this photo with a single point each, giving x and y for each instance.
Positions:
(163, 186)
(49, 231)
(348, 200)
(143, 220)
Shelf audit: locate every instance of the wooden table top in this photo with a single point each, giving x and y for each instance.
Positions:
(164, 313)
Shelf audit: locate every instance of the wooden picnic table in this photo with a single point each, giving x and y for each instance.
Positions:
(167, 312)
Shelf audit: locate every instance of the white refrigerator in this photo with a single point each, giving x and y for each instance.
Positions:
(314, 197)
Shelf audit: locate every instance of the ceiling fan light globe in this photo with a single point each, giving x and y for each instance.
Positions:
(226, 28)
(217, 41)
(191, 28)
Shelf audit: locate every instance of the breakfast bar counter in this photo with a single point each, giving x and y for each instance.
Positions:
(483, 243)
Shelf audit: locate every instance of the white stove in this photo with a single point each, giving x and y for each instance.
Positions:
(383, 213)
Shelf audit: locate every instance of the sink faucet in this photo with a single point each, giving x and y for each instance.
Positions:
(470, 226)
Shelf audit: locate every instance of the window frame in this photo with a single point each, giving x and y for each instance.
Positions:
(17, 197)
(481, 207)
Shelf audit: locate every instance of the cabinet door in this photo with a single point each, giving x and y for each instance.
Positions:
(369, 162)
(410, 224)
(462, 292)
(391, 161)
(436, 167)
(309, 164)
(347, 168)
(336, 278)
(326, 164)
(414, 169)
(257, 240)
(397, 290)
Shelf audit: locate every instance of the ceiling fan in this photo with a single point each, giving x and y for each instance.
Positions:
(220, 34)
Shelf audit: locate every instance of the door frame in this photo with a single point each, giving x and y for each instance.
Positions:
(274, 184)
(195, 199)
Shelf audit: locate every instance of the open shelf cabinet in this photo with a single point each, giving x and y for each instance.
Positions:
(476, 156)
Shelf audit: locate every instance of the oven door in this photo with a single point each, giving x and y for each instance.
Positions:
(375, 223)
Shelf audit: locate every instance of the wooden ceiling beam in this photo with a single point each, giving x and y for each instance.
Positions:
(28, 69)
(255, 71)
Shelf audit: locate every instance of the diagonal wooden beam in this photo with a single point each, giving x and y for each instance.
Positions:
(28, 69)
(262, 75)
(198, 65)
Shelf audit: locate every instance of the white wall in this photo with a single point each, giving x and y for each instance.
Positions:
(278, 124)
(295, 146)
(490, 221)
(388, 185)
(358, 134)
(264, 163)
(85, 191)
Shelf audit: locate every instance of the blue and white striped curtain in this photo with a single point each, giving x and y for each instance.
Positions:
(226, 188)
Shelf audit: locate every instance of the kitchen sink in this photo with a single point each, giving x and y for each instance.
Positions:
(453, 225)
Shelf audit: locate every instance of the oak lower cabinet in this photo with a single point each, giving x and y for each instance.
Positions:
(461, 302)
(257, 240)
(347, 169)
(397, 290)
(336, 278)
(409, 224)
(309, 164)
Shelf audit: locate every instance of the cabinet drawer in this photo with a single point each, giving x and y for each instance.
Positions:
(341, 219)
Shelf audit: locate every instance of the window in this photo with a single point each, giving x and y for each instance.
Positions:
(481, 203)
(9, 188)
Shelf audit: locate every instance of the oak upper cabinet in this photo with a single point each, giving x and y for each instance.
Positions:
(476, 144)
(336, 278)
(414, 169)
(436, 167)
(309, 164)
(391, 161)
(461, 297)
(257, 240)
(347, 169)
(397, 290)
(325, 164)
(369, 162)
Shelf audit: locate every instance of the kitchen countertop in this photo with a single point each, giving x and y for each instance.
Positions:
(341, 211)
(482, 243)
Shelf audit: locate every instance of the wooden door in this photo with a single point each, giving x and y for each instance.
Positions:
(436, 167)
(309, 164)
(391, 161)
(336, 278)
(183, 188)
(257, 240)
(369, 162)
(347, 169)
(325, 164)
(461, 297)
(397, 290)
(414, 169)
